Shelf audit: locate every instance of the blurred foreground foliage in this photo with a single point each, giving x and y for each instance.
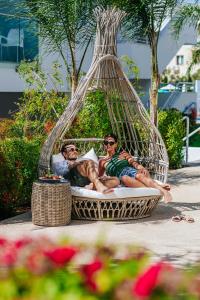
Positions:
(43, 269)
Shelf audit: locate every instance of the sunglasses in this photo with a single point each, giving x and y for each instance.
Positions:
(106, 143)
(71, 149)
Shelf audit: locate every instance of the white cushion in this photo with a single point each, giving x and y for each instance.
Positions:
(120, 192)
(59, 165)
(89, 155)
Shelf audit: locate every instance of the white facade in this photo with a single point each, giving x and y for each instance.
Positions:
(182, 60)
(140, 53)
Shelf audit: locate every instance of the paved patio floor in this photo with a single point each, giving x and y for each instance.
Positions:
(177, 242)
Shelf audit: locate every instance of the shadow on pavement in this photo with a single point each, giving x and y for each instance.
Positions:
(183, 178)
(165, 212)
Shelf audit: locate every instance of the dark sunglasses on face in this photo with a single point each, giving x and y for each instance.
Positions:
(71, 149)
(106, 143)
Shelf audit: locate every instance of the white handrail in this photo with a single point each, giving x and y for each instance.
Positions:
(186, 138)
(192, 133)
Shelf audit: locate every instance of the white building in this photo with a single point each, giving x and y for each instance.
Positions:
(181, 61)
(11, 86)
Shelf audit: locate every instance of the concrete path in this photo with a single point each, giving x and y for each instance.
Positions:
(177, 242)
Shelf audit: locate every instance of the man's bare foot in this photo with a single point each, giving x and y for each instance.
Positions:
(89, 186)
(100, 187)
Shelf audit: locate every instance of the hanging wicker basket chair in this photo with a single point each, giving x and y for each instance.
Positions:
(129, 120)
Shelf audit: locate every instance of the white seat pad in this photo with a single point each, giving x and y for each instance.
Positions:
(120, 192)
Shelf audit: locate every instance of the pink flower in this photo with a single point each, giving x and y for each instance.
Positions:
(89, 272)
(147, 281)
(60, 256)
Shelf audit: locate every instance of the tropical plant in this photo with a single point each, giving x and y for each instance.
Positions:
(66, 27)
(38, 109)
(144, 20)
(93, 120)
(189, 14)
(172, 129)
(132, 71)
(18, 170)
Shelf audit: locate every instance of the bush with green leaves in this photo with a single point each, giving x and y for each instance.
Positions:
(172, 129)
(93, 120)
(37, 113)
(18, 170)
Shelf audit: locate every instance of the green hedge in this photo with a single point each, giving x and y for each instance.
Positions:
(172, 129)
(18, 170)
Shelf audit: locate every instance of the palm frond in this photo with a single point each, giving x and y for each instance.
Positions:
(186, 15)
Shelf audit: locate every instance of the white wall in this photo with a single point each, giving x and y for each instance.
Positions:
(186, 52)
(167, 48)
(9, 78)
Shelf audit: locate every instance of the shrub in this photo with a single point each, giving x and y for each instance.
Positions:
(43, 269)
(172, 129)
(93, 120)
(18, 170)
(5, 125)
(37, 113)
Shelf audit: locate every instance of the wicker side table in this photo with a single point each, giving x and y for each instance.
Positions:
(51, 204)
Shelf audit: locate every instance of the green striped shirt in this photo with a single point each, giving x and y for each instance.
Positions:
(115, 166)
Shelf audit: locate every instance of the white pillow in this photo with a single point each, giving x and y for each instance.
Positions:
(59, 165)
(89, 155)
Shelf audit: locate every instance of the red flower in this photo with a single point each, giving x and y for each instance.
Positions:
(8, 258)
(147, 281)
(92, 268)
(22, 242)
(3, 241)
(61, 255)
(89, 271)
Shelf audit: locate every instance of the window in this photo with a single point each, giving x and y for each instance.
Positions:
(18, 38)
(179, 60)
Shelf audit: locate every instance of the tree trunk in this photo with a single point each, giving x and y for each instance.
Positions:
(155, 80)
(74, 73)
(74, 82)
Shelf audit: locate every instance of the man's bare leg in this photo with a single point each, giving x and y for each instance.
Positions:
(109, 182)
(88, 168)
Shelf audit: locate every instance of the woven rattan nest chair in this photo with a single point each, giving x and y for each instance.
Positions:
(129, 120)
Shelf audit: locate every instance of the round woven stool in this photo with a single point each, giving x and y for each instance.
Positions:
(51, 204)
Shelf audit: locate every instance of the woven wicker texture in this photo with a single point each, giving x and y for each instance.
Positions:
(51, 204)
(113, 209)
(129, 119)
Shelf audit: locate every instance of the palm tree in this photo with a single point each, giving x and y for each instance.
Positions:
(144, 19)
(63, 24)
(189, 14)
